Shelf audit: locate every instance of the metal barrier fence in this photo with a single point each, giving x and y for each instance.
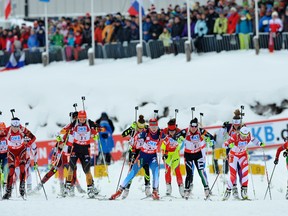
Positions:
(153, 48)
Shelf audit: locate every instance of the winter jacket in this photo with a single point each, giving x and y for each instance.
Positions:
(201, 28)
(33, 41)
(166, 38)
(98, 35)
(107, 33)
(177, 30)
(192, 28)
(244, 26)
(264, 24)
(276, 25)
(155, 31)
(232, 23)
(221, 25)
(210, 22)
(146, 28)
(58, 40)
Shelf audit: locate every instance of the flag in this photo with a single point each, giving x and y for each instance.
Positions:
(44, 0)
(134, 9)
(13, 64)
(8, 8)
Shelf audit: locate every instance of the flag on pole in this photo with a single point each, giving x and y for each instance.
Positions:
(13, 64)
(44, 0)
(134, 9)
(8, 8)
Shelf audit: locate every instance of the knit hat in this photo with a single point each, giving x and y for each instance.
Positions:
(153, 122)
(194, 122)
(141, 122)
(274, 13)
(172, 124)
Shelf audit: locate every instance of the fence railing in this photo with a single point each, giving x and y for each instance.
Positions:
(153, 48)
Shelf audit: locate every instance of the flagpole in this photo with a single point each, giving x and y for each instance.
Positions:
(92, 27)
(46, 30)
(140, 22)
(139, 48)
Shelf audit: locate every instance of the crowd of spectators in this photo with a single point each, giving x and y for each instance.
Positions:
(216, 17)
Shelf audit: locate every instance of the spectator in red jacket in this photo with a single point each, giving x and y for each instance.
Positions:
(78, 39)
(98, 32)
(232, 20)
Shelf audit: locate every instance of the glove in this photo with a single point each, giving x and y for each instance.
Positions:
(285, 154)
(96, 137)
(134, 125)
(180, 139)
(35, 166)
(209, 141)
(262, 144)
(164, 157)
(231, 145)
(133, 157)
(276, 161)
(58, 138)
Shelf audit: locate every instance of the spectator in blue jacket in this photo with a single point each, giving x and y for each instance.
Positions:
(105, 141)
(146, 28)
(33, 42)
(264, 21)
(200, 30)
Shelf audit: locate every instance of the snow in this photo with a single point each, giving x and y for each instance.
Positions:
(216, 84)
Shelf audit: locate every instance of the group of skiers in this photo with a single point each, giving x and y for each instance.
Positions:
(17, 144)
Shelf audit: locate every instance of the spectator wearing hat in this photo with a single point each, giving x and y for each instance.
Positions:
(57, 38)
(87, 34)
(221, 24)
(155, 30)
(134, 32)
(275, 24)
(146, 28)
(108, 31)
(98, 32)
(177, 28)
(211, 19)
(264, 21)
(41, 37)
(243, 29)
(233, 19)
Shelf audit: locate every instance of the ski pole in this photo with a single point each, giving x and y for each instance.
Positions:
(241, 114)
(155, 113)
(12, 112)
(267, 176)
(104, 159)
(176, 112)
(136, 113)
(83, 99)
(269, 182)
(201, 116)
(192, 110)
(75, 106)
(41, 184)
(251, 175)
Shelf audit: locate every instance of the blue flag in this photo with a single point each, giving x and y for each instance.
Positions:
(44, 0)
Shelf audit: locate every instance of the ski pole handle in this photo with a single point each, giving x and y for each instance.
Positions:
(12, 112)
(136, 113)
(192, 110)
(83, 99)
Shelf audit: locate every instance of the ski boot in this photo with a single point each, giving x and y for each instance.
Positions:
(244, 194)
(92, 191)
(117, 194)
(8, 193)
(168, 189)
(187, 193)
(22, 188)
(155, 194)
(147, 191)
(227, 194)
(125, 193)
(207, 192)
(62, 189)
(235, 192)
(181, 190)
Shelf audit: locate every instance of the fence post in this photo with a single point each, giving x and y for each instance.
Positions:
(256, 44)
(45, 59)
(91, 56)
(139, 50)
(188, 50)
